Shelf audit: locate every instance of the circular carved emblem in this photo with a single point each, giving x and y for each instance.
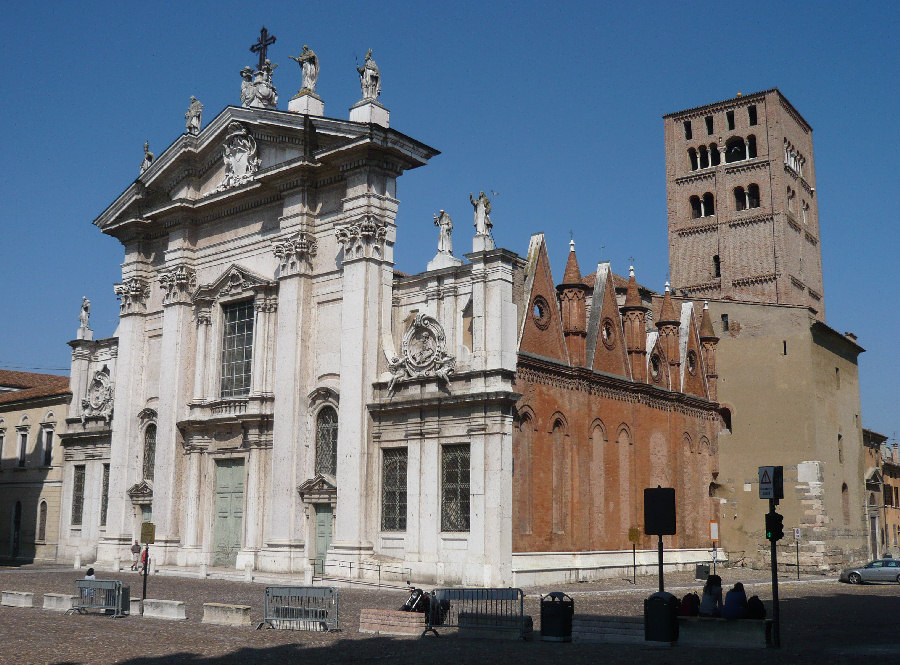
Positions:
(692, 362)
(540, 312)
(608, 333)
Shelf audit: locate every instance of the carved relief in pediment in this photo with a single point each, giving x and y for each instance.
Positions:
(234, 283)
(241, 157)
(320, 489)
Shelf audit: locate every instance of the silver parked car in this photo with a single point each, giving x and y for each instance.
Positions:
(880, 570)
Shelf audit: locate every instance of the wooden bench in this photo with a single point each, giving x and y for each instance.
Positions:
(740, 633)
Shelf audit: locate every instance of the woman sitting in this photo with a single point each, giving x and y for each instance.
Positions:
(711, 603)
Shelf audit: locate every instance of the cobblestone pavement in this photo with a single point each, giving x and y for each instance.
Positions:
(823, 622)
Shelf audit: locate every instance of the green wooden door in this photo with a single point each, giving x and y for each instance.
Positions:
(323, 534)
(229, 511)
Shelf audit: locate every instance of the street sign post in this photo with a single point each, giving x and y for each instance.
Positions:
(148, 536)
(771, 487)
(634, 537)
(771, 483)
(714, 537)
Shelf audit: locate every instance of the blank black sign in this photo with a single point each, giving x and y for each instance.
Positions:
(659, 511)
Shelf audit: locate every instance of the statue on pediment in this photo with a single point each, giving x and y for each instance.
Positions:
(309, 68)
(248, 91)
(148, 157)
(369, 78)
(84, 316)
(195, 110)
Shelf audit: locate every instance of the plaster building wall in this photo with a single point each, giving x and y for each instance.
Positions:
(777, 378)
(755, 237)
(32, 409)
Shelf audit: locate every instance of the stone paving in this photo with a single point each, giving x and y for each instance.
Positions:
(823, 621)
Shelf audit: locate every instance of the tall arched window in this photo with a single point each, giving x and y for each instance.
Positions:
(751, 147)
(16, 529)
(740, 202)
(845, 503)
(692, 157)
(326, 441)
(149, 451)
(42, 521)
(714, 154)
(709, 208)
(560, 477)
(704, 157)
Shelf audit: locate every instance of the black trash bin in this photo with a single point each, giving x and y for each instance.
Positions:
(701, 572)
(556, 617)
(661, 617)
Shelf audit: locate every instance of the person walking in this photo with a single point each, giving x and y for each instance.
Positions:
(135, 555)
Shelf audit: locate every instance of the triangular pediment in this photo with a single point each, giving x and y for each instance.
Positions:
(605, 336)
(541, 333)
(236, 281)
(693, 359)
(141, 490)
(657, 362)
(321, 483)
(186, 180)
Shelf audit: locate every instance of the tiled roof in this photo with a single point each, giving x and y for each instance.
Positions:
(30, 385)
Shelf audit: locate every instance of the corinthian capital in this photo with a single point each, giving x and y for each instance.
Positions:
(177, 284)
(363, 238)
(133, 294)
(296, 251)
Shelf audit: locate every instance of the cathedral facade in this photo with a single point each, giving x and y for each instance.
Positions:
(277, 397)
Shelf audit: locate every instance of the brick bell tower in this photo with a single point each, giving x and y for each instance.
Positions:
(572, 295)
(742, 206)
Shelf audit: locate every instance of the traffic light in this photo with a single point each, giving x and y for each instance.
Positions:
(774, 526)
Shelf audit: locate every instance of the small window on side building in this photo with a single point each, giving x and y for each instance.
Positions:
(688, 134)
(725, 322)
(717, 266)
(751, 115)
(709, 125)
(730, 117)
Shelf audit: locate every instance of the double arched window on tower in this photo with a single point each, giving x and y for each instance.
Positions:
(703, 207)
(745, 199)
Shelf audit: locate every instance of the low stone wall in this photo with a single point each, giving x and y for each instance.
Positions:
(707, 632)
(477, 625)
(16, 598)
(58, 602)
(391, 622)
(607, 629)
(164, 609)
(222, 614)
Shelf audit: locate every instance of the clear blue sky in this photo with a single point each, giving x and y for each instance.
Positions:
(557, 106)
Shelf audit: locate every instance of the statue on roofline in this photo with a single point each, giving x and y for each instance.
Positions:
(482, 207)
(309, 68)
(369, 78)
(445, 224)
(84, 316)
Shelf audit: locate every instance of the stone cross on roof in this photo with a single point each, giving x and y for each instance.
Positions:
(262, 46)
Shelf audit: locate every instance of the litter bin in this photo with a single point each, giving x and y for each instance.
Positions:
(661, 617)
(701, 572)
(556, 617)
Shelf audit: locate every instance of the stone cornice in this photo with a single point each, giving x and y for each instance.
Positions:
(706, 174)
(747, 165)
(698, 228)
(531, 369)
(747, 221)
(754, 279)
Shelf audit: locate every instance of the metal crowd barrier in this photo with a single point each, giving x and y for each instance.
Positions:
(301, 608)
(477, 609)
(338, 569)
(108, 596)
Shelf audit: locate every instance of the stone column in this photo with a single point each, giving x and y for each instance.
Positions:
(201, 355)
(365, 312)
(79, 378)
(128, 380)
(254, 512)
(192, 499)
(295, 253)
(175, 376)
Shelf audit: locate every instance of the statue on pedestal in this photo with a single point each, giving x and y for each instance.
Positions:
(445, 224)
(195, 110)
(248, 91)
(309, 68)
(84, 316)
(148, 157)
(482, 207)
(369, 78)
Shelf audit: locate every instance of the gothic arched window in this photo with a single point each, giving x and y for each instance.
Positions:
(42, 521)
(149, 451)
(326, 441)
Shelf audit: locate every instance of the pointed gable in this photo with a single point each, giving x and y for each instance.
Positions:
(605, 339)
(657, 363)
(693, 364)
(541, 333)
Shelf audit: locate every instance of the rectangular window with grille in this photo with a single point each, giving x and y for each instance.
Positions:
(237, 348)
(393, 489)
(48, 447)
(455, 488)
(104, 497)
(77, 494)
